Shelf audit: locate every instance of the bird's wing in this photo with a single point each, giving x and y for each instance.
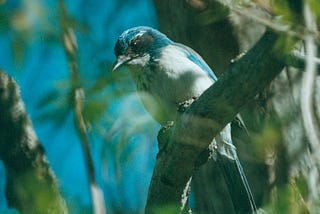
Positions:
(197, 59)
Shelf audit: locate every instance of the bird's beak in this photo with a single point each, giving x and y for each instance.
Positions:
(121, 60)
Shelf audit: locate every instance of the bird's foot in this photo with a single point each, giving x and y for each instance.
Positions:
(163, 136)
(185, 104)
(209, 153)
(167, 125)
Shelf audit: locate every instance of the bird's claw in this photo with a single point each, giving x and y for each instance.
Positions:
(163, 136)
(167, 125)
(185, 104)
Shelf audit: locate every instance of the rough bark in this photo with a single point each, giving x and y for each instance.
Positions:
(31, 186)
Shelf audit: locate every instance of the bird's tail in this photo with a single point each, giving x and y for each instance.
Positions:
(237, 183)
(233, 173)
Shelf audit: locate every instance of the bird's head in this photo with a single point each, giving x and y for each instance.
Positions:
(138, 45)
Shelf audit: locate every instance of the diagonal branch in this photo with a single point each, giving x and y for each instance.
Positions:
(31, 186)
(205, 118)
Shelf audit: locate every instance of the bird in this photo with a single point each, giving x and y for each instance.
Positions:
(166, 74)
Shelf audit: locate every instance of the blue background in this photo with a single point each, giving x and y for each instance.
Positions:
(122, 138)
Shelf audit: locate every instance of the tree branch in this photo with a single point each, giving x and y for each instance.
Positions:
(31, 186)
(205, 118)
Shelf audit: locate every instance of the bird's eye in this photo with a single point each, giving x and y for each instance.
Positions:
(142, 43)
(136, 45)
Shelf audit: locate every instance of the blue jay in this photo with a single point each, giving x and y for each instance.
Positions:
(167, 74)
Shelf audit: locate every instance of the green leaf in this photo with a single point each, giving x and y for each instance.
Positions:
(212, 15)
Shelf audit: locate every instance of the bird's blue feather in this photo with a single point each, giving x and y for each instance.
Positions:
(204, 66)
(197, 59)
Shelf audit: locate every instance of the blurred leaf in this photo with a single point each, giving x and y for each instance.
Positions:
(296, 6)
(36, 192)
(4, 21)
(289, 13)
(287, 199)
(281, 8)
(57, 116)
(55, 105)
(18, 47)
(119, 81)
(168, 209)
(302, 185)
(315, 7)
(269, 138)
(48, 99)
(94, 109)
(103, 80)
(214, 14)
(26, 23)
(284, 43)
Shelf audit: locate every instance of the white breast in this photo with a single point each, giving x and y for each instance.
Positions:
(173, 80)
(180, 78)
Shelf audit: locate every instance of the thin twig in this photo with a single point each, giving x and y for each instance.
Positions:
(303, 57)
(307, 88)
(308, 81)
(77, 98)
(96, 193)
